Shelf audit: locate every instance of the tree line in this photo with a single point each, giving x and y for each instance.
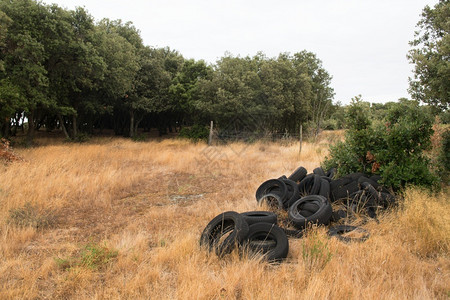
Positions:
(61, 69)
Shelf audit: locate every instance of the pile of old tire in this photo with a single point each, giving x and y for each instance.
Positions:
(308, 197)
(253, 232)
(311, 195)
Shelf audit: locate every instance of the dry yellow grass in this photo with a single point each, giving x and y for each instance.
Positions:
(115, 219)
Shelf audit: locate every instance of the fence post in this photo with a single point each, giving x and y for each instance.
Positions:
(301, 139)
(210, 134)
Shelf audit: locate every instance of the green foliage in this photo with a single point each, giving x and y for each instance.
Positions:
(64, 70)
(195, 133)
(444, 157)
(394, 149)
(93, 256)
(430, 55)
(139, 138)
(81, 137)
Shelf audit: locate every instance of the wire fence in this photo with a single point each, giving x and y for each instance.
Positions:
(223, 137)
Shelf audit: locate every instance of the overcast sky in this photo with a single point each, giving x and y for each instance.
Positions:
(362, 43)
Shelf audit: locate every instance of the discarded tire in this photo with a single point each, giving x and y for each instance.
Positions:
(252, 217)
(274, 186)
(298, 174)
(310, 185)
(300, 219)
(274, 201)
(319, 171)
(214, 235)
(268, 232)
(292, 192)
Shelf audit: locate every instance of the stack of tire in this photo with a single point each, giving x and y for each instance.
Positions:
(254, 232)
(304, 197)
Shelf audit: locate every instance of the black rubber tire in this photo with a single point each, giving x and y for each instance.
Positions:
(292, 194)
(220, 225)
(267, 231)
(331, 173)
(355, 176)
(363, 179)
(262, 246)
(273, 200)
(336, 184)
(387, 200)
(252, 217)
(298, 174)
(310, 185)
(282, 177)
(376, 178)
(316, 186)
(326, 178)
(338, 214)
(344, 192)
(319, 171)
(271, 186)
(321, 216)
(305, 185)
(324, 188)
(338, 231)
(371, 192)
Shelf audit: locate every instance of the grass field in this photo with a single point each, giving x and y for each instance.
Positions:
(116, 219)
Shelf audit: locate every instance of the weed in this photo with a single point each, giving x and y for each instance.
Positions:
(30, 215)
(315, 251)
(93, 256)
(139, 138)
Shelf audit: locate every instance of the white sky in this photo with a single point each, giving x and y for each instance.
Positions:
(362, 43)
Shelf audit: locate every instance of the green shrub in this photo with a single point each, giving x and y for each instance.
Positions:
(444, 157)
(393, 149)
(195, 133)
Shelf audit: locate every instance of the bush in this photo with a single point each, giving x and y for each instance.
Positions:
(393, 149)
(195, 133)
(444, 157)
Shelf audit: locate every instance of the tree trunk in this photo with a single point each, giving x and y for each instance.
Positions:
(137, 122)
(63, 127)
(30, 133)
(74, 126)
(131, 123)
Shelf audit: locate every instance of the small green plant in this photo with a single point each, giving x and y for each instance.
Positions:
(139, 138)
(81, 137)
(195, 133)
(315, 251)
(93, 256)
(31, 216)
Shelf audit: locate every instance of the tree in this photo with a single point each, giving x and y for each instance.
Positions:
(322, 93)
(25, 56)
(431, 56)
